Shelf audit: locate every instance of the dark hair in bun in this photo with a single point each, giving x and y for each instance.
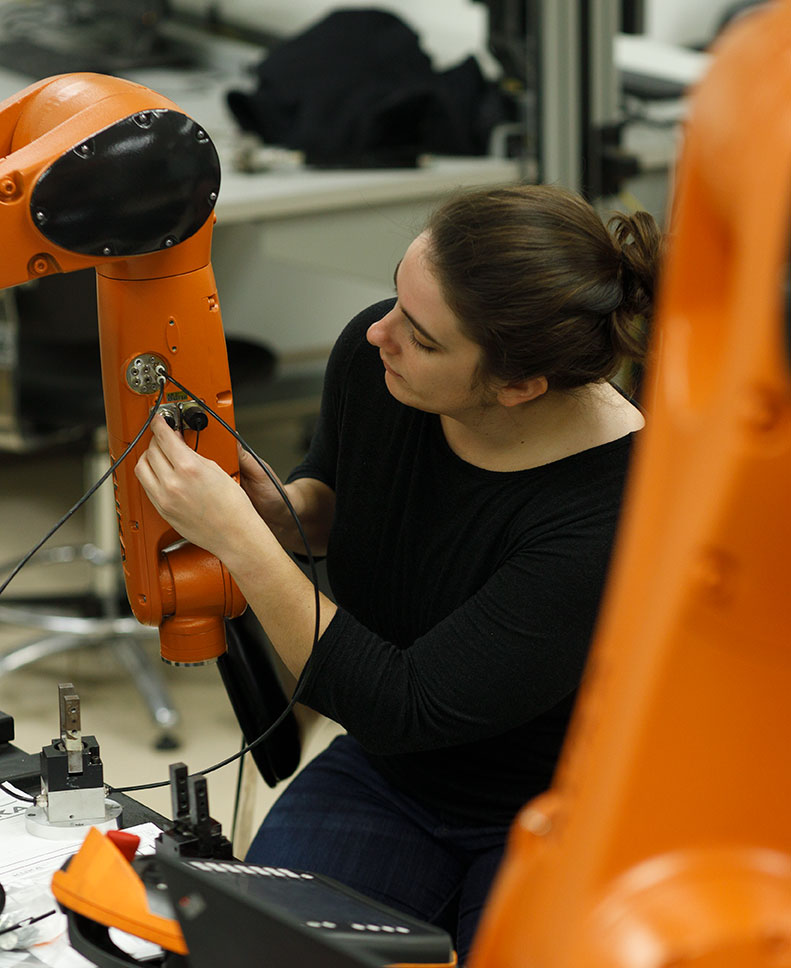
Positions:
(542, 285)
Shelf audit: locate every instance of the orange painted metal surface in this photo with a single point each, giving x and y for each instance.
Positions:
(163, 303)
(666, 836)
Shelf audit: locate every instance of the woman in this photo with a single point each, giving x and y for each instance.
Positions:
(465, 482)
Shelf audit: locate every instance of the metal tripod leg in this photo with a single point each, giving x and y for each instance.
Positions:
(65, 629)
(35, 649)
(127, 649)
(148, 679)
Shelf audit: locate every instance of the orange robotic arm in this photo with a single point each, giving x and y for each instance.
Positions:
(102, 172)
(666, 838)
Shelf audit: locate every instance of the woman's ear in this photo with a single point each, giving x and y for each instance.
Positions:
(522, 391)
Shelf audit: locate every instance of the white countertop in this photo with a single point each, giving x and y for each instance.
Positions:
(289, 188)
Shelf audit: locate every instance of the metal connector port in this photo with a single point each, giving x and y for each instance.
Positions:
(172, 415)
(194, 416)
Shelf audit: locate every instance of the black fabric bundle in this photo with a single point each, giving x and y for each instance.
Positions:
(356, 90)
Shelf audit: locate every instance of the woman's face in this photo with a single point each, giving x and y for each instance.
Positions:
(429, 363)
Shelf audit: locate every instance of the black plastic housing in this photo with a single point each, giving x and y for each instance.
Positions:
(142, 184)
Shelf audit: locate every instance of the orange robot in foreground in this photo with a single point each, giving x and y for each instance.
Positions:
(666, 837)
(99, 171)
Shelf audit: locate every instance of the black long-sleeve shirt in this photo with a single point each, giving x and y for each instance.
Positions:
(467, 597)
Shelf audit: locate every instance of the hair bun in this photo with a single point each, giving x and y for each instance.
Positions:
(539, 283)
(639, 242)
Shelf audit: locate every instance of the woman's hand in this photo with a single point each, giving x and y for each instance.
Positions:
(207, 507)
(194, 495)
(260, 489)
(312, 501)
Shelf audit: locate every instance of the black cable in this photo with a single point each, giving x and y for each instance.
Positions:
(17, 796)
(315, 581)
(275, 482)
(88, 494)
(309, 554)
(235, 756)
(237, 798)
(25, 922)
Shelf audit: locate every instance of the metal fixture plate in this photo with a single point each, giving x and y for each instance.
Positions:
(141, 374)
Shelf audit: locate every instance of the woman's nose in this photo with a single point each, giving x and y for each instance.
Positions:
(380, 333)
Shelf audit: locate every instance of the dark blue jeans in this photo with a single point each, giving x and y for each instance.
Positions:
(340, 818)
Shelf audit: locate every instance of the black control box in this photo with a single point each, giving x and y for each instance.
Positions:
(6, 727)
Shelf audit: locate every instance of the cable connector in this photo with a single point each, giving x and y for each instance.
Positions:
(194, 416)
(172, 414)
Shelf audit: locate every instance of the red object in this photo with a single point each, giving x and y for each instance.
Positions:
(127, 843)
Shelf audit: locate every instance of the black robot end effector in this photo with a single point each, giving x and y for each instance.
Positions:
(72, 761)
(194, 833)
(72, 774)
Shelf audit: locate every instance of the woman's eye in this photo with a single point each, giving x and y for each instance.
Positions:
(421, 346)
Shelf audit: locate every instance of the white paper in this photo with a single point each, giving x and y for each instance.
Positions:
(27, 864)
